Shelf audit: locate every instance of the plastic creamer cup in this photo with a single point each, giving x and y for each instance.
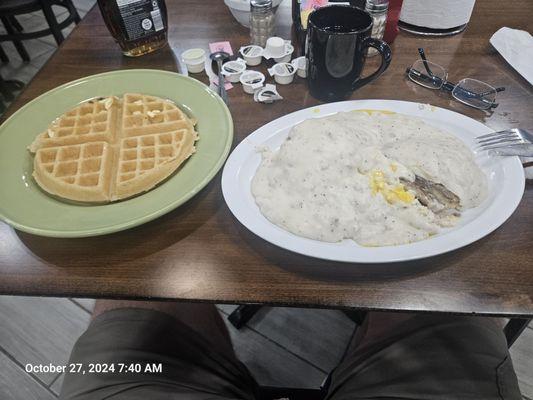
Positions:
(283, 73)
(194, 59)
(252, 54)
(300, 64)
(289, 49)
(267, 94)
(275, 48)
(251, 81)
(234, 69)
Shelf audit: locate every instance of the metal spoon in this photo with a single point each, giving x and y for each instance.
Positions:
(220, 57)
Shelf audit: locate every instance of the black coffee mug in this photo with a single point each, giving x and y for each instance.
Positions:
(336, 44)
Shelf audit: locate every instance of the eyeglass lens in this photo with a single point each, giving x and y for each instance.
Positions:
(433, 79)
(475, 93)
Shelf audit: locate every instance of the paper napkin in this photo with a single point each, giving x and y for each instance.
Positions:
(516, 47)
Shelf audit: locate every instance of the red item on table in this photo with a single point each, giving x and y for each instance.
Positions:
(391, 29)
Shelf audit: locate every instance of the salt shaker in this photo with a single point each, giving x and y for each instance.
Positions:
(261, 21)
(378, 11)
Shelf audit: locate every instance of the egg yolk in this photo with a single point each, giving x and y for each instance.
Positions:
(392, 194)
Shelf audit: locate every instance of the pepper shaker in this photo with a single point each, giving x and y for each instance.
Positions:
(261, 21)
(378, 11)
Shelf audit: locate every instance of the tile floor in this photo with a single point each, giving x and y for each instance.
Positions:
(43, 330)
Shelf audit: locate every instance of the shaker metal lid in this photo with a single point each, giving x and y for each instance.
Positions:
(377, 5)
(260, 5)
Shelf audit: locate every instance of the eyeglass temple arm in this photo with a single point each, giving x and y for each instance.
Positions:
(424, 59)
(500, 89)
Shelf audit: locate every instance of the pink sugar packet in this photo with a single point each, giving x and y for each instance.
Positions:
(221, 46)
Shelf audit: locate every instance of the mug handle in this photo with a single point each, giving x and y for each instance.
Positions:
(386, 56)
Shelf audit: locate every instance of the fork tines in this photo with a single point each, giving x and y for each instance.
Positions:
(503, 138)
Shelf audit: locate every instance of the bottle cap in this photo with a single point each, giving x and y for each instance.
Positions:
(260, 5)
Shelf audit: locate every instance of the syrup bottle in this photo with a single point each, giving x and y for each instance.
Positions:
(138, 26)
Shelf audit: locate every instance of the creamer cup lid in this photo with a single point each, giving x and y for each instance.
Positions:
(268, 94)
(251, 50)
(193, 55)
(282, 69)
(253, 78)
(234, 67)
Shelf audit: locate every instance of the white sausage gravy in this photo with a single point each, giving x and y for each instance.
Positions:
(353, 175)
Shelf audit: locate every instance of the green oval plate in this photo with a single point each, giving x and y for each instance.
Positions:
(28, 208)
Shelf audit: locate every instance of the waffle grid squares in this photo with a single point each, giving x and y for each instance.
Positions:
(89, 118)
(142, 153)
(142, 110)
(80, 164)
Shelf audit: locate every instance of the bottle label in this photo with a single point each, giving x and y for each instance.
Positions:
(140, 17)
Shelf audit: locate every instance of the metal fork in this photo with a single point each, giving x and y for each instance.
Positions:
(522, 150)
(505, 138)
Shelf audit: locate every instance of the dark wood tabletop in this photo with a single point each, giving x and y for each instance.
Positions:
(200, 252)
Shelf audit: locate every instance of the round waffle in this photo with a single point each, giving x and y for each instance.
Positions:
(112, 148)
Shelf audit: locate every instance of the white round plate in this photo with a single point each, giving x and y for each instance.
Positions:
(505, 176)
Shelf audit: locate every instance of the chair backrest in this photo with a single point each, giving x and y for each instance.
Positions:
(275, 393)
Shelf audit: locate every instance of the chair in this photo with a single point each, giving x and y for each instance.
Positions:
(15, 33)
(7, 90)
(273, 393)
(243, 313)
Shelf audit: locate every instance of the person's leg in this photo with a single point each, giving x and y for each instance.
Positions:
(202, 318)
(421, 356)
(189, 342)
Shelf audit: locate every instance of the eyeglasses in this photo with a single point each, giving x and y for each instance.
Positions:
(469, 91)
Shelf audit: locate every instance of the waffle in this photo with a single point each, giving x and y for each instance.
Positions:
(109, 149)
(91, 121)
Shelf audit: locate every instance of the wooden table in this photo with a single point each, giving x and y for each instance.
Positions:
(200, 252)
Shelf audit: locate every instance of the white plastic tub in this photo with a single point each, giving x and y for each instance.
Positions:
(194, 59)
